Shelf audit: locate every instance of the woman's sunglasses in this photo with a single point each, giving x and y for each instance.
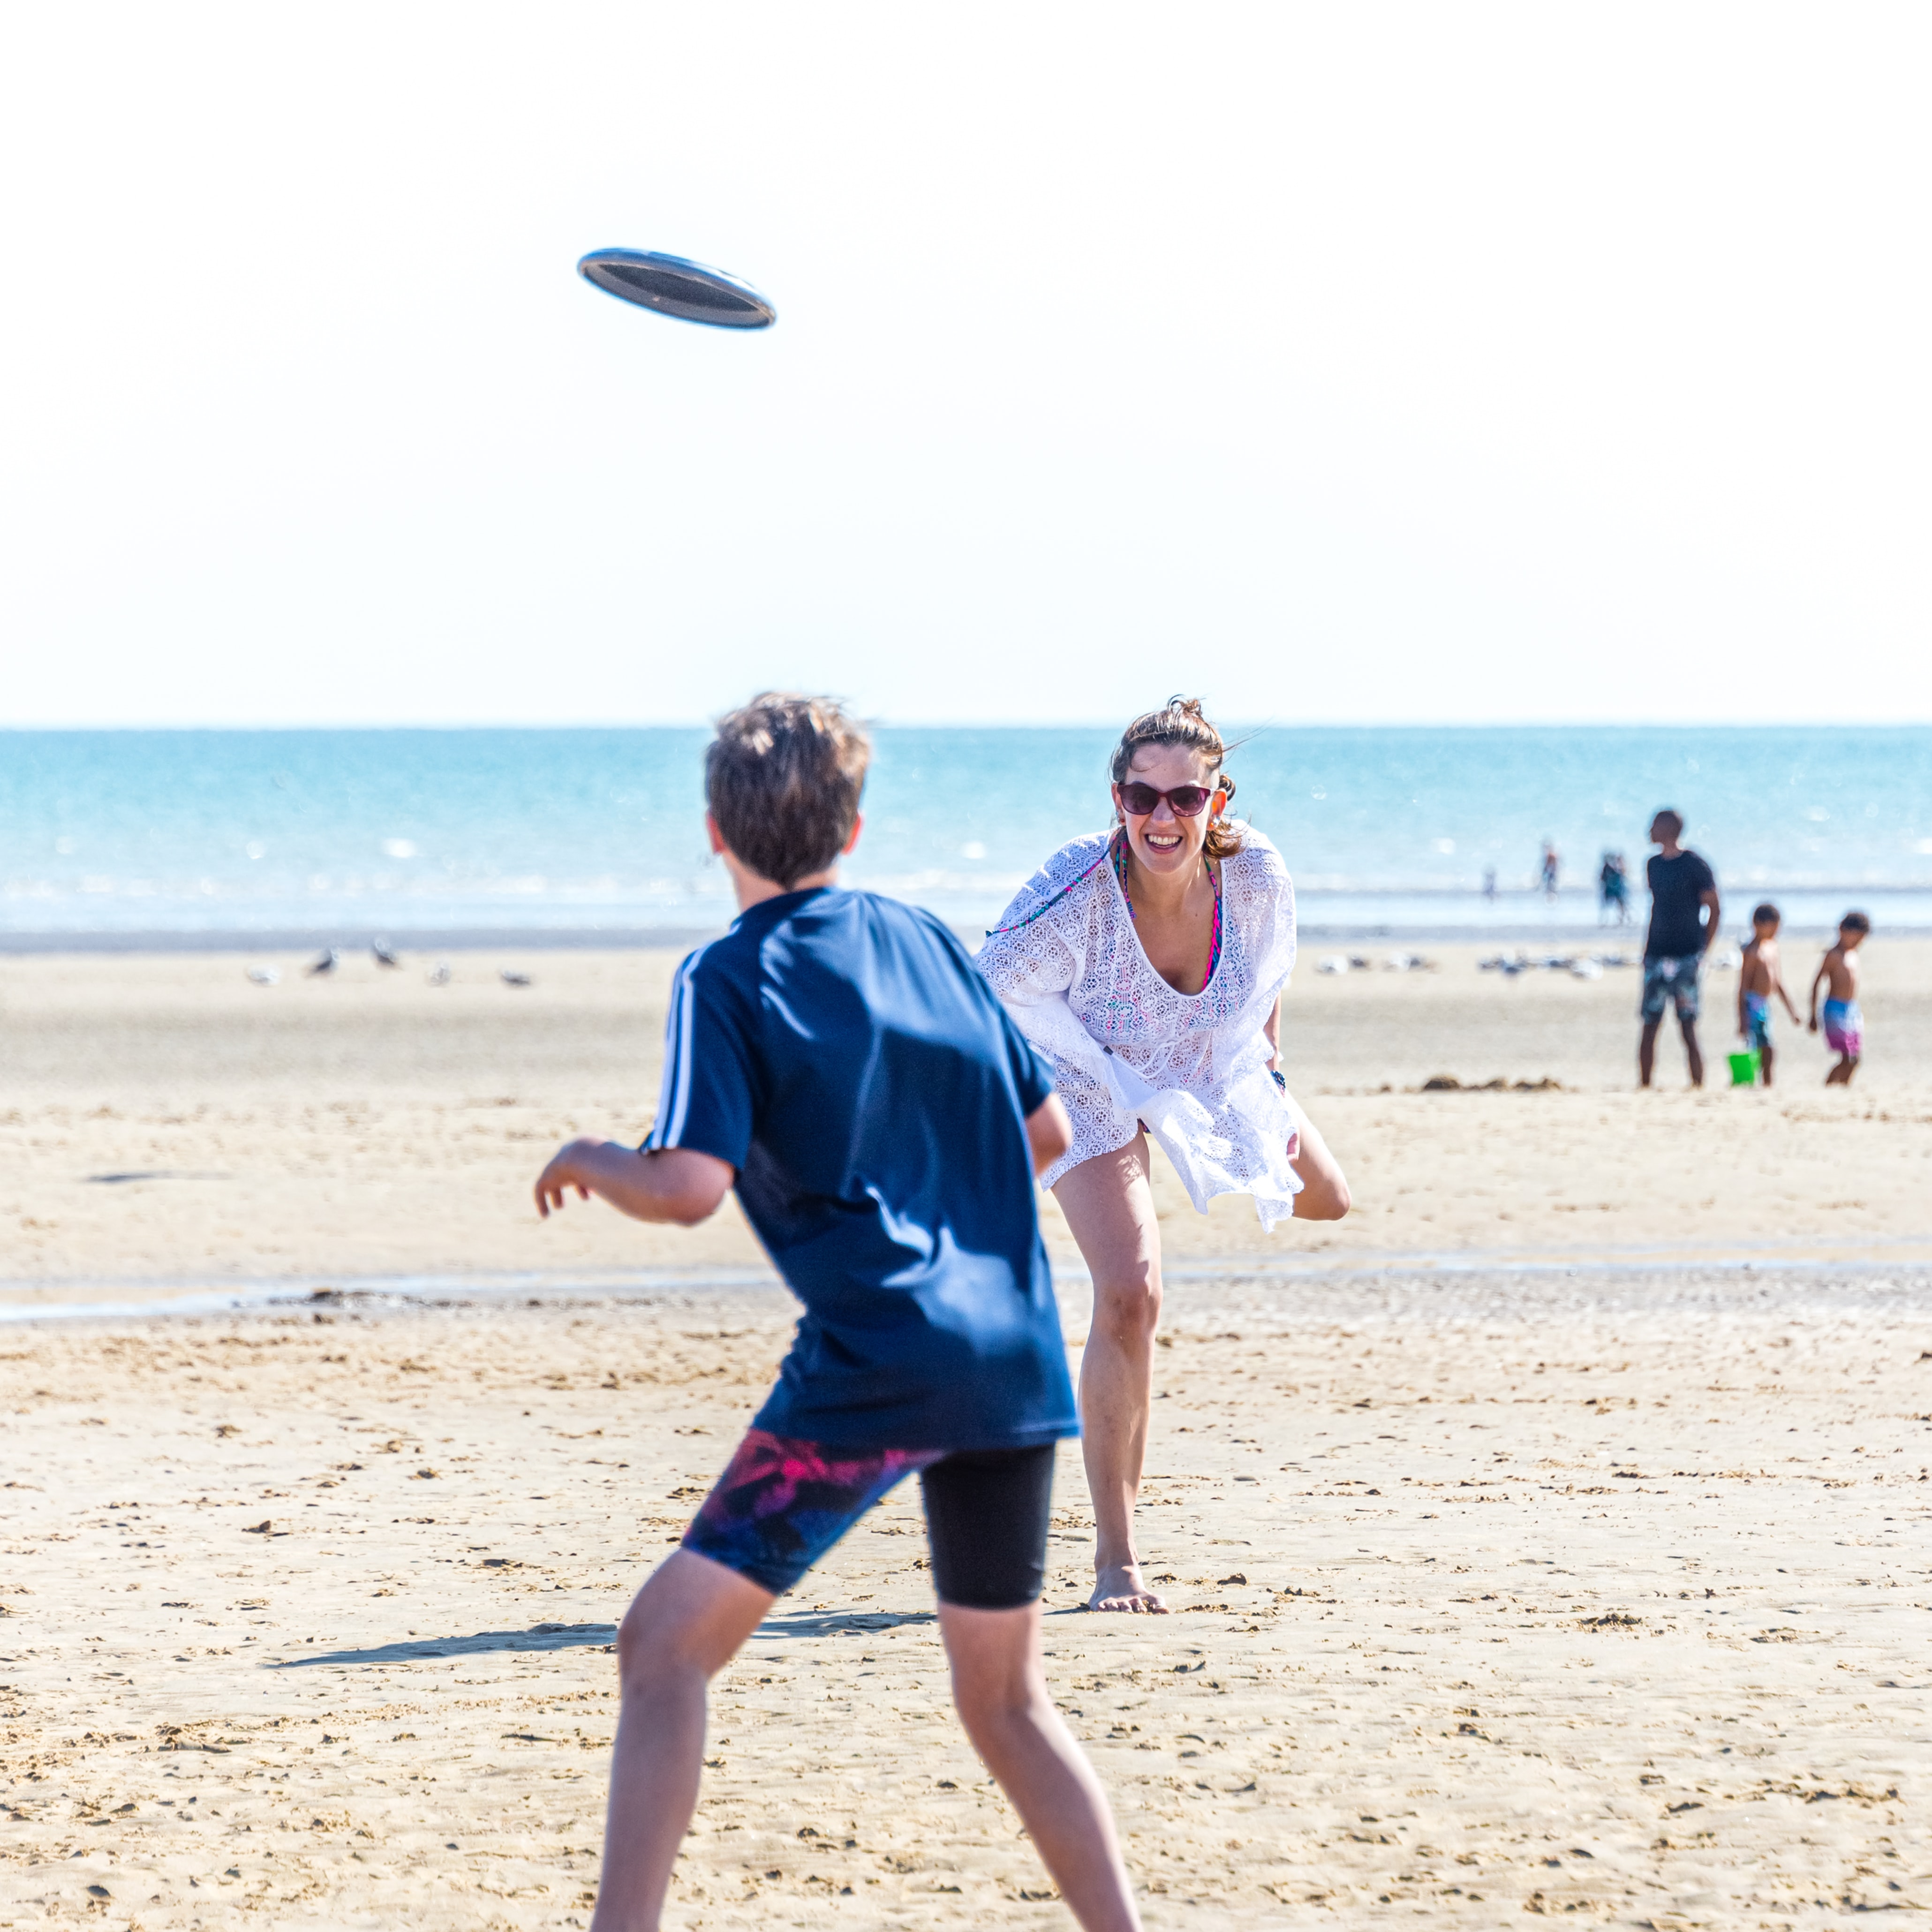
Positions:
(1187, 801)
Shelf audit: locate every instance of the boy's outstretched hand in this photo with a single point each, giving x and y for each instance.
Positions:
(675, 1184)
(557, 1179)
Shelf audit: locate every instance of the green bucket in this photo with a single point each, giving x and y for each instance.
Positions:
(1744, 1069)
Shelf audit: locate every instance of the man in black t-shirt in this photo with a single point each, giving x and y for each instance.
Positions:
(1683, 888)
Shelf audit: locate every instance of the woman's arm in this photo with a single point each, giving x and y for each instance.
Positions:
(1028, 963)
(1049, 1133)
(1260, 895)
(1036, 949)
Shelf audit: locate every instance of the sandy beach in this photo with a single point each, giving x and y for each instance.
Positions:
(306, 1605)
(167, 1126)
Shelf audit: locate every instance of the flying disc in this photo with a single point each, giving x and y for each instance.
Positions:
(672, 286)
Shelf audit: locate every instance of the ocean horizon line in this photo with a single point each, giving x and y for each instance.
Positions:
(1575, 937)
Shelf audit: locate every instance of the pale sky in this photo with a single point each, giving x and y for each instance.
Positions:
(1353, 363)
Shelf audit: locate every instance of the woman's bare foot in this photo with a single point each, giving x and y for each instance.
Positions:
(1120, 1586)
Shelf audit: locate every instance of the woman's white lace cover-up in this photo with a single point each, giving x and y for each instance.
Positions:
(1125, 1046)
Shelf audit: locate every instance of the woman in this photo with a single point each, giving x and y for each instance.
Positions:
(1147, 963)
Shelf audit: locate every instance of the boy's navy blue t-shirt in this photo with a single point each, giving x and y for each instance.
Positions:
(841, 1051)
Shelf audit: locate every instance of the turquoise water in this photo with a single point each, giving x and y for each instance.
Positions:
(366, 832)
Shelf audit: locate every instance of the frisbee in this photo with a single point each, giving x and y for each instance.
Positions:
(674, 286)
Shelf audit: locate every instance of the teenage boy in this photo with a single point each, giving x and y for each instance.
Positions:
(1838, 973)
(1683, 891)
(1759, 980)
(836, 1058)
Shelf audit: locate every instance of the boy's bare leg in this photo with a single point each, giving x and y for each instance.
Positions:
(999, 1685)
(682, 1628)
(1767, 1059)
(1841, 1076)
(1646, 1052)
(1108, 1203)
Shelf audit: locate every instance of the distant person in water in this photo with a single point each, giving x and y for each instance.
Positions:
(1683, 891)
(1760, 979)
(1552, 863)
(1838, 974)
(1613, 890)
(1490, 883)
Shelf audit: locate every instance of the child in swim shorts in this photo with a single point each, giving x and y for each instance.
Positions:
(1759, 981)
(836, 1060)
(1838, 974)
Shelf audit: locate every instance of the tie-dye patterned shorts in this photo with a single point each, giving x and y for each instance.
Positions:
(1844, 1027)
(782, 1502)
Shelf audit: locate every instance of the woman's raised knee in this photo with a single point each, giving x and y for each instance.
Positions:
(1323, 1197)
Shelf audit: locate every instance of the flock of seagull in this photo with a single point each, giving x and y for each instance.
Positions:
(330, 958)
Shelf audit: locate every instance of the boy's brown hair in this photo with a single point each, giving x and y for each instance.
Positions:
(782, 778)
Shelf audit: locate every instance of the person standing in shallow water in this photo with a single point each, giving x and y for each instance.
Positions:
(1683, 891)
(1147, 963)
(1613, 888)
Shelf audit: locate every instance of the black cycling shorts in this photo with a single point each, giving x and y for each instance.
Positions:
(986, 1513)
(782, 1503)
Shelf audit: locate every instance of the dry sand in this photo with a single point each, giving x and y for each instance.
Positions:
(164, 1122)
(305, 1611)
(1608, 1600)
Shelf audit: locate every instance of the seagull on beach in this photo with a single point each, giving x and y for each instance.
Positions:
(439, 974)
(265, 976)
(385, 954)
(325, 961)
(512, 979)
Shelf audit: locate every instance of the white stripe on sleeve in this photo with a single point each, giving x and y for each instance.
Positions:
(674, 1090)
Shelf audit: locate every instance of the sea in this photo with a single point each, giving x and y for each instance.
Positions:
(241, 837)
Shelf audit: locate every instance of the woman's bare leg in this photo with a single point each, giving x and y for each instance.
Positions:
(999, 1685)
(682, 1628)
(1108, 1203)
(1325, 1188)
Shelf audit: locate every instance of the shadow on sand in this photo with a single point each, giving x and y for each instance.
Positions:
(564, 1636)
(538, 1636)
(837, 1623)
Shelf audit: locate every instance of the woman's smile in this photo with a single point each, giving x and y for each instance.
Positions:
(1163, 841)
